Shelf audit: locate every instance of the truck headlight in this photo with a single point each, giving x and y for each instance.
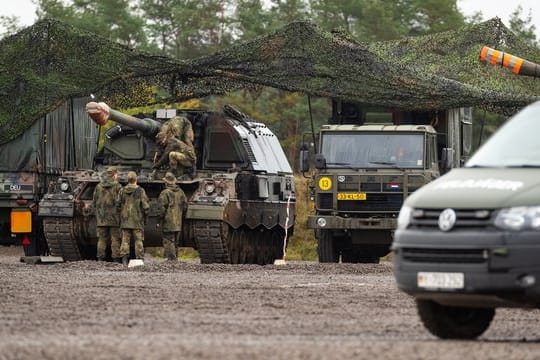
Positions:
(404, 217)
(209, 188)
(64, 186)
(519, 218)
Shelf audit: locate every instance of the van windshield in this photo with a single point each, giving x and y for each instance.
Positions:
(515, 144)
(373, 150)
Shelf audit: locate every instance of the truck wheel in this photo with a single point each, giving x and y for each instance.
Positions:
(326, 247)
(452, 322)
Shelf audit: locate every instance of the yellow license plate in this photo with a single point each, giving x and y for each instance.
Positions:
(351, 196)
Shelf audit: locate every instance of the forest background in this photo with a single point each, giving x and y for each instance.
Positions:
(187, 29)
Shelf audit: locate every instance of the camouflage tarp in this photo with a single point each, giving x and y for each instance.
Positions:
(50, 61)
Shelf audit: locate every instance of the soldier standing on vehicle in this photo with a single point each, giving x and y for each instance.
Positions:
(107, 216)
(179, 127)
(177, 153)
(171, 205)
(133, 204)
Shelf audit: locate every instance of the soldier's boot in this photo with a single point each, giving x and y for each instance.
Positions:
(117, 260)
(101, 258)
(125, 260)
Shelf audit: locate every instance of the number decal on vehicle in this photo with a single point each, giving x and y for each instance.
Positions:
(325, 183)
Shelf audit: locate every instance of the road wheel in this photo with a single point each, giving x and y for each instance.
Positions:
(452, 322)
(277, 235)
(235, 247)
(326, 247)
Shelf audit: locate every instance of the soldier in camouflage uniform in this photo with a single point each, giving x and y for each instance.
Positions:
(171, 205)
(133, 204)
(179, 127)
(107, 216)
(177, 153)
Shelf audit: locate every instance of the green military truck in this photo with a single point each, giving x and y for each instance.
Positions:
(30, 162)
(364, 171)
(467, 243)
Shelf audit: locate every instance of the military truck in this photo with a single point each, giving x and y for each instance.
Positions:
(241, 192)
(62, 139)
(364, 171)
(467, 243)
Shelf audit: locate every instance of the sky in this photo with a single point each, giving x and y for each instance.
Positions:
(25, 10)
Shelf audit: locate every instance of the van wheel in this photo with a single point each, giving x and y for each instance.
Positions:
(452, 322)
(326, 247)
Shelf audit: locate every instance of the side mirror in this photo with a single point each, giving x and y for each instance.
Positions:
(447, 159)
(320, 161)
(304, 160)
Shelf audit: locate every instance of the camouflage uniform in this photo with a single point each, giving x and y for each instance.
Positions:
(180, 128)
(171, 204)
(107, 216)
(177, 153)
(134, 205)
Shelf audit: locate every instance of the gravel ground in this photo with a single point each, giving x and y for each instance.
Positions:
(302, 310)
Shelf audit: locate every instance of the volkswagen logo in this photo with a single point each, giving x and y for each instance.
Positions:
(447, 219)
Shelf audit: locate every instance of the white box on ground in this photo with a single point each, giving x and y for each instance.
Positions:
(135, 262)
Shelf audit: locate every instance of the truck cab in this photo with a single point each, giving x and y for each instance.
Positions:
(364, 170)
(467, 243)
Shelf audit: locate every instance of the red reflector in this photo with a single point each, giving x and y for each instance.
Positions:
(26, 240)
(21, 202)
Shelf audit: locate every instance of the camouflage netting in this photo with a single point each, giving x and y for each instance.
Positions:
(50, 61)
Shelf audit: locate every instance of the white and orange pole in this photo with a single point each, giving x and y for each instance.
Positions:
(516, 64)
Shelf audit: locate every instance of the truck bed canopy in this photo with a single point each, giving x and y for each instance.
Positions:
(49, 62)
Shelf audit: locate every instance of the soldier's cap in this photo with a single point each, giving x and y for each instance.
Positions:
(132, 175)
(169, 178)
(111, 170)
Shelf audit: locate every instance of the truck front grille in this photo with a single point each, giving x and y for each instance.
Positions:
(324, 201)
(387, 202)
(458, 256)
(374, 202)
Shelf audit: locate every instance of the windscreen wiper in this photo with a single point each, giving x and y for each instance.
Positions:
(345, 165)
(388, 163)
(522, 166)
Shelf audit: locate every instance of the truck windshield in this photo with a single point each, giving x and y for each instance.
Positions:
(515, 144)
(373, 150)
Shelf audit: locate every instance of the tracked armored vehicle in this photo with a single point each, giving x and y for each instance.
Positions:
(241, 199)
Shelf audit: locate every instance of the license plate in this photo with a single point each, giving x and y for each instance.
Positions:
(441, 280)
(351, 196)
(18, 187)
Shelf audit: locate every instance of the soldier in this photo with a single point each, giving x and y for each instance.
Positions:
(179, 127)
(177, 153)
(171, 205)
(133, 204)
(107, 217)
